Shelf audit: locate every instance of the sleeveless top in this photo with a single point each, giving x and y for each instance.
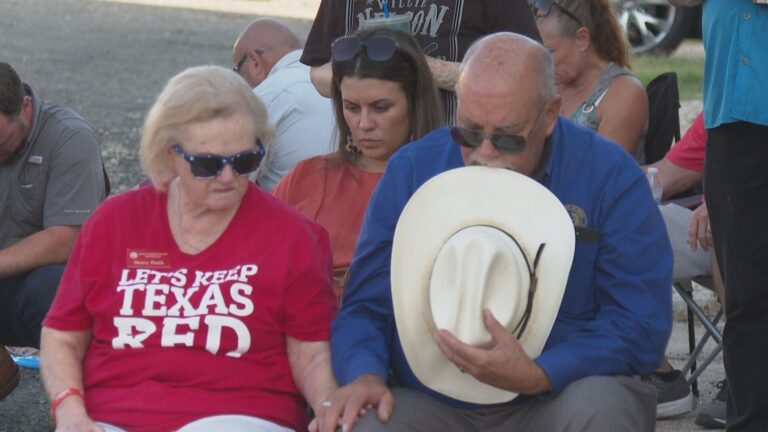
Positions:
(586, 113)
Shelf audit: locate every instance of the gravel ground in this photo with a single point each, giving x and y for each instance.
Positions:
(109, 59)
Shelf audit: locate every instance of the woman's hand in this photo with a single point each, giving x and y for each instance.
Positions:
(74, 422)
(61, 360)
(355, 399)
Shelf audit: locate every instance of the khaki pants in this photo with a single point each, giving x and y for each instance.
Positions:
(592, 404)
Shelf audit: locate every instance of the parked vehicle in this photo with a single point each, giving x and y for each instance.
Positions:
(655, 27)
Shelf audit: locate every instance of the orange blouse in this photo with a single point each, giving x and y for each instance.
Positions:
(335, 196)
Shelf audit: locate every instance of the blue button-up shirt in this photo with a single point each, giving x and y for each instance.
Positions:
(735, 34)
(615, 317)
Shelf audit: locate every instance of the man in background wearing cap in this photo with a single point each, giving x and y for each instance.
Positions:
(52, 179)
(615, 317)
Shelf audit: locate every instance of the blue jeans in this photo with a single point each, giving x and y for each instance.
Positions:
(24, 302)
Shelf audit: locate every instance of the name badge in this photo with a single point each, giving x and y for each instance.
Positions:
(148, 259)
(584, 234)
(36, 160)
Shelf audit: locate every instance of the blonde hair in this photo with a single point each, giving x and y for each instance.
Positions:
(195, 95)
(604, 31)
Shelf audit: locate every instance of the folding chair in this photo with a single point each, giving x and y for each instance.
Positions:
(663, 130)
(684, 288)
(663, 118)
(690, 369)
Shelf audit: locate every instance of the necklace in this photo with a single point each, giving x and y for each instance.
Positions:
(181, 239)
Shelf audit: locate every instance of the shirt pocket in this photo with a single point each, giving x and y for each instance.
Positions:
(27, 197)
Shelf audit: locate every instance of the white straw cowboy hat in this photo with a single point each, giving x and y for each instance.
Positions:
(473, 238)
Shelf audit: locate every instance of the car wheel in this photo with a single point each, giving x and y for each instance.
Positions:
(653, 26)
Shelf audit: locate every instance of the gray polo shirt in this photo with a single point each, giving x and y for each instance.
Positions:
(55, 178)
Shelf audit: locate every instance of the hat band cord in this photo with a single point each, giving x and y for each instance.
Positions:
(531, 289)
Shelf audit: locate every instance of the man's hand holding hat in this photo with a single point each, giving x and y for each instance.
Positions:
(504, 365)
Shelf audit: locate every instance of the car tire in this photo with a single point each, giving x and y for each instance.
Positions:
(654, 28)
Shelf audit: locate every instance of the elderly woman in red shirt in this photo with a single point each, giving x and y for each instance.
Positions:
(200, 302)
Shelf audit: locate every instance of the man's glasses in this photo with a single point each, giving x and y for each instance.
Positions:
(542, 8)
(209, 166)
(240, 63)
(242, 60)
(377, 48)
(505, 143)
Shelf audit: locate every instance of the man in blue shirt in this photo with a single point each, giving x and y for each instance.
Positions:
(735, 34)
(615, 317)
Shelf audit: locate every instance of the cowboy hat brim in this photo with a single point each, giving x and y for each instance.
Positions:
(444, 205)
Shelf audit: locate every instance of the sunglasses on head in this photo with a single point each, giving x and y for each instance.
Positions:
(505, 143)
(209, 166)
(542, 8)
(377, 48)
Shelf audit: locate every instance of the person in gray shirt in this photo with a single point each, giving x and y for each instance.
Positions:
(52, 178)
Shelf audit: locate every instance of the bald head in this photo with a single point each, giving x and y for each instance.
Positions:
(262, 44)
(506, 88)
(508, 63)
(268, 34)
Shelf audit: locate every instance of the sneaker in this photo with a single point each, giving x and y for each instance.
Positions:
(674, 394)
(9, 373)
(712, 415)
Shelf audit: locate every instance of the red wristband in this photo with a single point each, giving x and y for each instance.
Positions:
(60, 398)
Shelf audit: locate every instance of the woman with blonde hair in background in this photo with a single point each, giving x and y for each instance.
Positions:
(591, 70)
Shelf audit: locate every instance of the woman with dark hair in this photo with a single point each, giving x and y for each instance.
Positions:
(384, 96)
(591, 70)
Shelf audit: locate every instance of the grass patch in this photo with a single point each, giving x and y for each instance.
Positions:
(690, 72)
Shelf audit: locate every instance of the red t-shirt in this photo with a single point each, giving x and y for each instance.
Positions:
(689, 152)
(335, 196)
(177, 337)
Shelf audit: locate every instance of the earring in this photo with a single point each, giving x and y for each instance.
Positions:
(351, 147)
